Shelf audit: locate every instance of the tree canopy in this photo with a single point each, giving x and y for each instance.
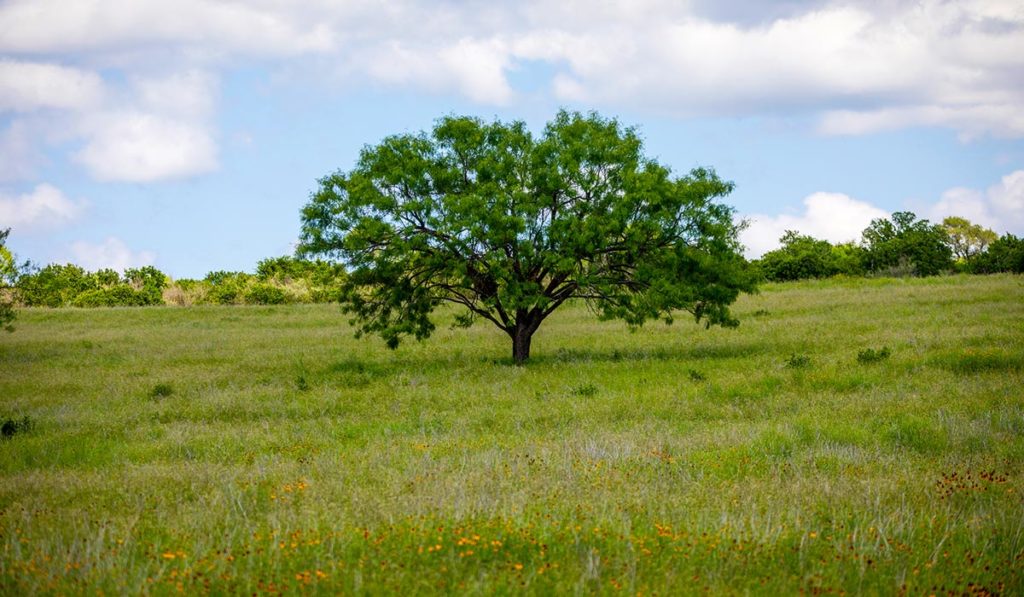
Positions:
(511, 226)
(903, 241)
(967, 240)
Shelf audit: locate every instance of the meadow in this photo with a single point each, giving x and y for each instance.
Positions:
(852, 436)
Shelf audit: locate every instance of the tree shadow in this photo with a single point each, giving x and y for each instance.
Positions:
(613, 355)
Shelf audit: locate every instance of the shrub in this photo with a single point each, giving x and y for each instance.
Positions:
(161, 390)
(870, 355)
(1005, 254)
(798, 361)
(226, 288)
(262, 293)
(54, 285)
(121, 295)
(11, 426)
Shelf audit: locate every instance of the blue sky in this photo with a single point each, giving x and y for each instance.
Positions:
(189, 134)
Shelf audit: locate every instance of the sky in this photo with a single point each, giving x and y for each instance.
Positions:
(188, 134)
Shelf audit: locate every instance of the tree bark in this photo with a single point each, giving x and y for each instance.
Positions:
(521, 344)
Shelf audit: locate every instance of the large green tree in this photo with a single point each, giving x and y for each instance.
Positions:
(510, 226)
(903, 241)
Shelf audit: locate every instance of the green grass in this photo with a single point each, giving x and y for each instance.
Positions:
(263, 449)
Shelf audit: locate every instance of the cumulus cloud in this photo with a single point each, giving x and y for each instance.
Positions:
(151, 128)
(27, 86)
(112, 253)
(834, 217)
(471, 67)
(863, 65)
(43, 207)
(857, 66)
(1000, 207)
(141, 147)
(261, 28)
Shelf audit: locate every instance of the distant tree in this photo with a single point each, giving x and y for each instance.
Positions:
(107, 277)
(54, 285)
(1005, 254)
(798, 258)
(8, 275)
(801, 257)
(511, 226)
(906, 242)
(966, 239)
(848, 259)
(149, 281)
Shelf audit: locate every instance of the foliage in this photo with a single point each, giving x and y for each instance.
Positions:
(1005, 254)
(965, 239)
(279, 280)
(70, 285)
(8, 274)
(148, 280)
(119, 295)
(319, 279)
(904, 242)
(226, 288)
(511, 226)
(802, 257)
(54, 285)
(262, 293)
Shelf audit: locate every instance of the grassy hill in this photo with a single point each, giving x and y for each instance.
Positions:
(242, 449)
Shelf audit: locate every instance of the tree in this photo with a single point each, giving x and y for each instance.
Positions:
(8, 274)
(801, 257)
(906, 242)
(511, 226)
(1005, 254)
(966, 239)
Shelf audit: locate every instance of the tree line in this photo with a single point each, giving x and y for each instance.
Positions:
(902, 245)
(279, 280)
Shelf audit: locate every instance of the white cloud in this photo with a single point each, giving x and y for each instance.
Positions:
(150, 128)
(1000, 207)
(859, 65)
(19, 153)
(140, 147)
(205, 26)
(111, 253)
(471, 67)
(27, 86)
(188, 94)
(834, 217)
(43, 207)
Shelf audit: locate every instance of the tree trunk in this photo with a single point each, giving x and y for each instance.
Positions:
(521, 344)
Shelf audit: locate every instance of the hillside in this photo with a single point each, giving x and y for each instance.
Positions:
(247, 449)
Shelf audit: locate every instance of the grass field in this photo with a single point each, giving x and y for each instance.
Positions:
(263, 449)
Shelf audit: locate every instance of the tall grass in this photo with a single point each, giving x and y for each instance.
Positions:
(263, 449)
